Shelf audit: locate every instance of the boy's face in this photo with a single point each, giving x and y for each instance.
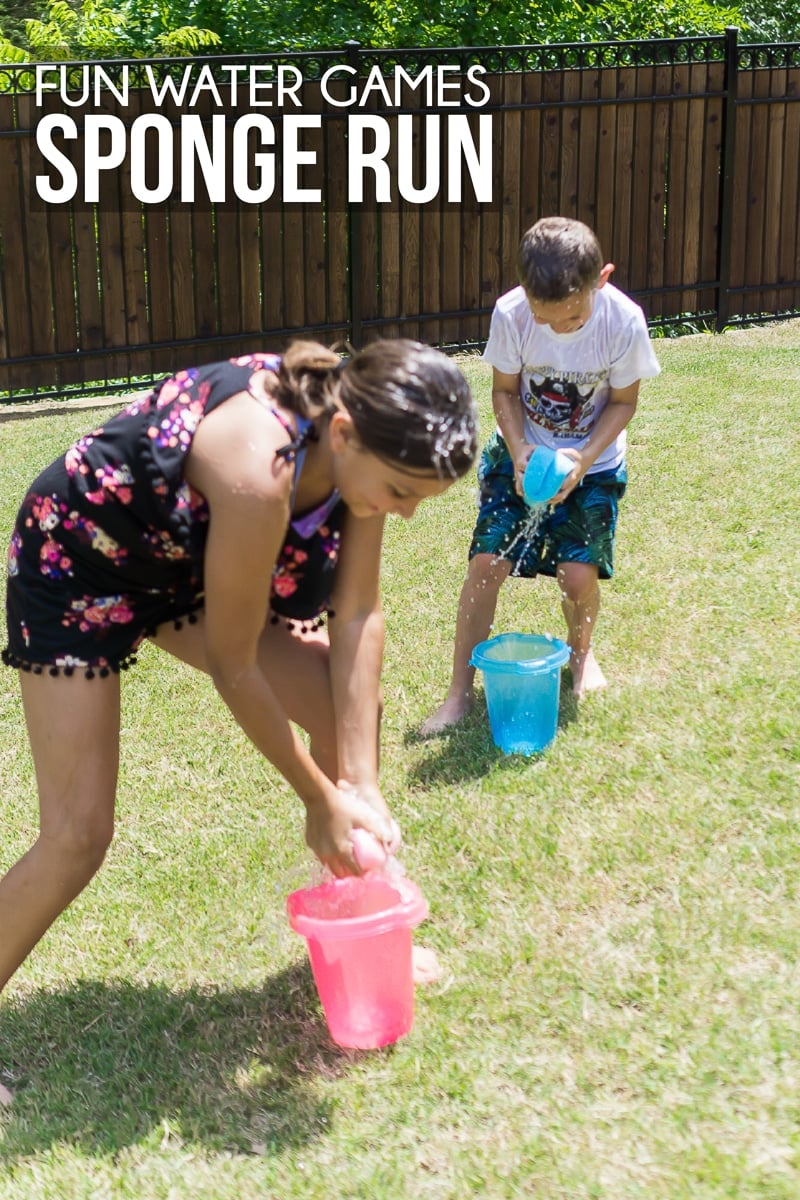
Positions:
(570, 314)
(563, 316)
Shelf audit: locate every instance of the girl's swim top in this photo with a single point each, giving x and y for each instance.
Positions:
(110, 540)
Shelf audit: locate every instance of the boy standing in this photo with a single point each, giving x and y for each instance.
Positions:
(568, 351)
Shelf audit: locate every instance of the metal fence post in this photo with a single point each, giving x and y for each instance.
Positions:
(726, 175)
(354, 240)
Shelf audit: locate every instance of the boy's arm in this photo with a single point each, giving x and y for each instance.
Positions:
(507, 406)
(615, 416)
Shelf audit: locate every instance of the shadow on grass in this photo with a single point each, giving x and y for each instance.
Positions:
(104, 1066)
(467, 750)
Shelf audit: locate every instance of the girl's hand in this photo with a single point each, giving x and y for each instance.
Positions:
(329, 828)
(374, 797)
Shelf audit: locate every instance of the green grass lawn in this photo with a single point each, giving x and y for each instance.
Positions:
(618, 920)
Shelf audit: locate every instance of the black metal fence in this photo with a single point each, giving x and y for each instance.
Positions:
(684, 155)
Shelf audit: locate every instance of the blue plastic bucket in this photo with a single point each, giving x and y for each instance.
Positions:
(522, 684)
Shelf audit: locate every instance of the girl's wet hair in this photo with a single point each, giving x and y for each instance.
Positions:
(410, 405)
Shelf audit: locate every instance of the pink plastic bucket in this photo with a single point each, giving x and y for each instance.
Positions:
(358, 932)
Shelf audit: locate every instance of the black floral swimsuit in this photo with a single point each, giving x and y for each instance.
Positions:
(110, 540)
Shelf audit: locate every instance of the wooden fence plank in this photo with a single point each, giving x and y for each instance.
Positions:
(474, 328)
(136, 283)
(589, 122)
(642, 199)
(407, 268)
(293, 274)
(660, 156)
(678, 213)
(161, 284)
(204, 250)
(621, 250)
(111, 254)
(607, 167)
(373, 256)
(389, 303)
(228, 318)
(432, 268)
(550, 197)
(249, 262)
(451, 271)
(759, 202)
(773, 190)
(412, 273)
(273, 291)
(570, 145)
(741, 192)
(530, 168)
(492, 281)
(36, 242)
(314, 220)
(336, 244)
(789, 254)
(16, 332)
(711, 184)
(60, 235)
(509, 198)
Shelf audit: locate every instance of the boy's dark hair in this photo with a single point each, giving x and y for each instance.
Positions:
(558, 257)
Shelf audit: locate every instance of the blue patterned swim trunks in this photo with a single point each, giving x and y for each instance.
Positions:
(581, 529)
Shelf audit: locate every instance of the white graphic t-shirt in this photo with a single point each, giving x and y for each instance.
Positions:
(565, 378)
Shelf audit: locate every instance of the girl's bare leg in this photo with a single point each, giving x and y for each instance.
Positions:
(73, 725)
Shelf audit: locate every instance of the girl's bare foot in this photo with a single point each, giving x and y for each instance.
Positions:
(425, 966)
(586, 673)
(5, 1097)
(449, 713)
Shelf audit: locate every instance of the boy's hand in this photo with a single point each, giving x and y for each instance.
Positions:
(574, 477)
(520, 463)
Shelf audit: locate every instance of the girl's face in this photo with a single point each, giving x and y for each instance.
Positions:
(369, 485)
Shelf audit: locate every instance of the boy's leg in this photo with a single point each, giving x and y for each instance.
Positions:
(73, 725)
(580, 552)
(476, 608)
(580, 603)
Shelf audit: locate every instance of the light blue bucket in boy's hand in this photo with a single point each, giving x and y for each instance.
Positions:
(522, 684)
(546, 471)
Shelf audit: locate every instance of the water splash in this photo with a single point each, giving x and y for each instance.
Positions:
(526, 534)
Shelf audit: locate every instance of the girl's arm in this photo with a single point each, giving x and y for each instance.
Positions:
(356, 656)
(233, 464)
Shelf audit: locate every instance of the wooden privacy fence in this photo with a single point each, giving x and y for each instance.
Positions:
(683, 155)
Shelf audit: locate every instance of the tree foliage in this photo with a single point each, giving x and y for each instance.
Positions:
(137, 28)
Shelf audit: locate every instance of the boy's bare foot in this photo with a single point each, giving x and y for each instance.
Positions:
(425, 966)
(449, 713)
(586, 673)
(6, 1098)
